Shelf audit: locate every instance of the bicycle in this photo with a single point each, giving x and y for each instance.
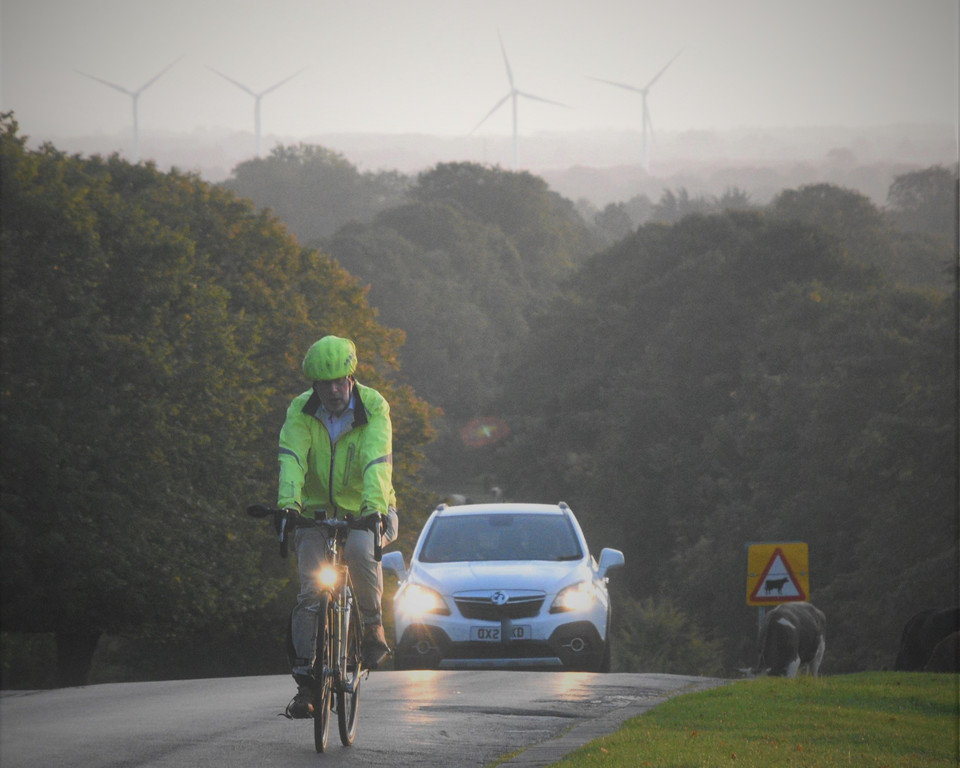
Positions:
(338, 668)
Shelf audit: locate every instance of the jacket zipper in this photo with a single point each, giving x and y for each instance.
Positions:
(333, 463)
(351, 451)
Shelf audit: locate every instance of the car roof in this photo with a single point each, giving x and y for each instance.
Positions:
(500, 508)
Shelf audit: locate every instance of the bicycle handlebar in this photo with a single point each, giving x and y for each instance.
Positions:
(285, 520)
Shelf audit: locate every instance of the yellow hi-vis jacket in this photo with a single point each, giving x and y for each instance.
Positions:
(354, 474)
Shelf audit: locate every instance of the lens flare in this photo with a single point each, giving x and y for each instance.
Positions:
(576, 597)
(327, 577)
(417, 600)
(484, 431)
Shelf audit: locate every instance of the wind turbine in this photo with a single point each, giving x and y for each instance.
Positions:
(135, 97)
(256, 97)
(647, 124)
(513, 95)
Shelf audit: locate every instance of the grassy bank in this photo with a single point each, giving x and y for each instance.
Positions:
(865, 720)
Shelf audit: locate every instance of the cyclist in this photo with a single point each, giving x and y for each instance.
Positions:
(336, 455)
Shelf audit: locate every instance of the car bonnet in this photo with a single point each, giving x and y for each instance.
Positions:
(541, 575)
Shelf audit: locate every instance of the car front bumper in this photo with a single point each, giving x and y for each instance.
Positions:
(574, 645)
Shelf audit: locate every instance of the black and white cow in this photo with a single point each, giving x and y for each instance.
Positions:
(921, 634)
(792, 635)
(946, 655)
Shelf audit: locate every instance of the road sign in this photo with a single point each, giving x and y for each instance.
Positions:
(777, 573)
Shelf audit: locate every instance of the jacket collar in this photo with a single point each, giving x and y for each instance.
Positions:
(359, 411)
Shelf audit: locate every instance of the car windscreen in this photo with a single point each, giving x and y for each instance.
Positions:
(461, 538)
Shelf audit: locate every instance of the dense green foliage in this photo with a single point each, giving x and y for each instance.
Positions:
(738, 378)
(152, 331)
(872, 719)
(460, 267)
(716, 377)
(720, 375)
(313, 190)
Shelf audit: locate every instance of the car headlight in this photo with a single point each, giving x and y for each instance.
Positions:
(416, 601)
(576, 597)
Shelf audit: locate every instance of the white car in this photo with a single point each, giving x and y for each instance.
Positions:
(502, 586)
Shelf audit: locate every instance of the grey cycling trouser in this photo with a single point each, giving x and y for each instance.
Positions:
(365, 572)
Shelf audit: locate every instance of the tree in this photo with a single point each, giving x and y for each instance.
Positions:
(924, 207)
(614, 222)
(460, 267)
(148, 322)
(736, 378)
(925, 201)
(673, 206)
(315, 190)
(844, 213)
(453, 284)
(544, 227)
(913, 258)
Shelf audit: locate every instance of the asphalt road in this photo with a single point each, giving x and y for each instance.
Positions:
(417, 719)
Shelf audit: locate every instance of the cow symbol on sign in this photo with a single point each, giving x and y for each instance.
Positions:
(775, 584)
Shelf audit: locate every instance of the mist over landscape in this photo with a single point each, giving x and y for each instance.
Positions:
(601, 166)
(712, 299)
(606, 99)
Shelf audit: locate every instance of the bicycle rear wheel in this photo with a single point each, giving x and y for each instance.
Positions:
(348, 703)
(322, 672)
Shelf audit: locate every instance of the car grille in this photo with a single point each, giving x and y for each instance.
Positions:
(515, 608)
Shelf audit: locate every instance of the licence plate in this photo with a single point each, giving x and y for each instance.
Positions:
(492, 634)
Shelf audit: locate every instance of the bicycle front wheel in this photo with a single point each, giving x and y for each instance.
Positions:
(323, 672)
(348, 695)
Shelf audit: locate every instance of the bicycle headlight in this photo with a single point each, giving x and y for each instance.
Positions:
(327, 577)
(416, 601)
(576, 597)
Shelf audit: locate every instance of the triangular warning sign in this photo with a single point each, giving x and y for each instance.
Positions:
(777, 583)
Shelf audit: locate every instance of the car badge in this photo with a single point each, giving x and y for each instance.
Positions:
(499, 598)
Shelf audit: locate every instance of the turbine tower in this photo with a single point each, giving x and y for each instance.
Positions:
(513, 95)
(647, 124)
(135, 98)
(256, 102)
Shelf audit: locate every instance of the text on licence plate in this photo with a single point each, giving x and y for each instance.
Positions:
(520, 632)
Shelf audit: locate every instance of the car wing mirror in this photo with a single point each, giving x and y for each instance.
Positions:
(393, 561)
(609, 558)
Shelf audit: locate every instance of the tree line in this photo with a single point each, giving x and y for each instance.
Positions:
(700, 380)
(152, 328)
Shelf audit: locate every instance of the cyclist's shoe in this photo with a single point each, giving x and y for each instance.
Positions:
(301, 705)
(374, 647)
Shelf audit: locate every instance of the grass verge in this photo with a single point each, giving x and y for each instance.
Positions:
(868, 720)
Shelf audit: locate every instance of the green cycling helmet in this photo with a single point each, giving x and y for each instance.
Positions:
(330, 358)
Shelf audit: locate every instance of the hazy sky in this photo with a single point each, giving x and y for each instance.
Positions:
(435, 66)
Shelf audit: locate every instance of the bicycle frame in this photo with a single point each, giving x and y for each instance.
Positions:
(334, 577)
(338, 668)
(338, 665)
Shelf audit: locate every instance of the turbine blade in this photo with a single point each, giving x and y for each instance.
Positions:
(540, 98)
(156, 77)
(618, 85)
(241, 86)
(106, 82)
(506, 61)
(277, 85)
(657, 76)
(495, 108)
